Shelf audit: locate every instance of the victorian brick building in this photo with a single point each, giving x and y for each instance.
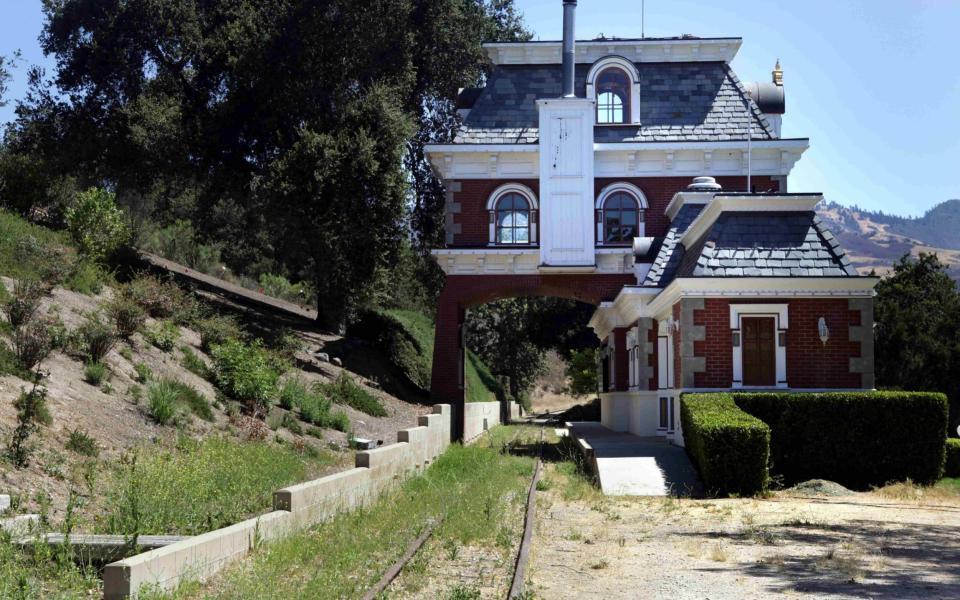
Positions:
(644, 177)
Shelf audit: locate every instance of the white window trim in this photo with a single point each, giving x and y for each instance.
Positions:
(512, 188)
(781, 323)
(631, 70)
(629, 188)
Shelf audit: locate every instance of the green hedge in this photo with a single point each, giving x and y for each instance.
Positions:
(952, 468)
(730, 448)
(858, 439)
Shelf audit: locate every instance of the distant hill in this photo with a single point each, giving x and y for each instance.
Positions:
(875, 240)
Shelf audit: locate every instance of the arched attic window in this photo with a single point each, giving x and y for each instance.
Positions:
(620, 215)
(513, 216)
(613, 96)
(614, 83)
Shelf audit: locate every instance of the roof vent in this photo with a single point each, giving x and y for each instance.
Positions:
(704, 184)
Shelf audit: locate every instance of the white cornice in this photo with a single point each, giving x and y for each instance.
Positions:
(747, 203)
(589, 51)
(760, 287)
(654, 159)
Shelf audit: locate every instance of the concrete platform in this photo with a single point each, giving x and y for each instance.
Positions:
(628, 465)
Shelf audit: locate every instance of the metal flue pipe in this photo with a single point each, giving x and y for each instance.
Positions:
(569, 15)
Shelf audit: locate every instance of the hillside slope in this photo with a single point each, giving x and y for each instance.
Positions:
(875, 241)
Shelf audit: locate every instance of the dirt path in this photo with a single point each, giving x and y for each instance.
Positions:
(861, 546)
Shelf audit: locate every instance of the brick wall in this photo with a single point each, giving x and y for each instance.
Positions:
(461, 292)
(474, 218)
(810, 363)
(473, 195)
(660, 190)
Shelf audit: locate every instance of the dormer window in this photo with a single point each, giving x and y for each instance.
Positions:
(614, 83)
(613, 97)
(513, 216)
(620, 214)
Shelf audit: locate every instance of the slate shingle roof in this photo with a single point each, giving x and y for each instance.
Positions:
(671, 252)
(702, 101)
(768, 244)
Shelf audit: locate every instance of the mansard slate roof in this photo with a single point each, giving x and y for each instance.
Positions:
(696, 101)
(766, 244)
(671, 252)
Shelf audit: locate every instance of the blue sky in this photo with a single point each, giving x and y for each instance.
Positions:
(875, 85)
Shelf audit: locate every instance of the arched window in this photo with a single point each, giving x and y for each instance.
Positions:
(621, 218)
(512, 219)
(613, 96)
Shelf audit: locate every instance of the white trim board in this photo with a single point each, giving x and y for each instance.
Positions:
(748, 203)
(781, 323)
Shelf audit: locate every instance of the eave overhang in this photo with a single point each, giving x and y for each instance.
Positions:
(637, 302)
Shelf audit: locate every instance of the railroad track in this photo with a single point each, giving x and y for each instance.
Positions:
(523, 553)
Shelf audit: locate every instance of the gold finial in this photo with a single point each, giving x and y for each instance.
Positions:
(777, 74)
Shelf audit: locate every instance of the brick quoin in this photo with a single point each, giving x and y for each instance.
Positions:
(461, 292)
(810, 363)
(474, 218)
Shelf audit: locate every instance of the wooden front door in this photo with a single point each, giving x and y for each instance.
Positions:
(759, 351)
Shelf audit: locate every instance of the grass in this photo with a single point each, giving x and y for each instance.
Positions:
(314, 407)
(195, 487)
(33, 252)
(95, 373)
(168, 398)
(43, 574)
(470, 488)
(344, 390)
(194, 363)
(481, 385)
(81, 443)
(946, 490)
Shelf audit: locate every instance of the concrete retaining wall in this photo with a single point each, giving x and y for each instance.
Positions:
(479, 417)
(295, 507)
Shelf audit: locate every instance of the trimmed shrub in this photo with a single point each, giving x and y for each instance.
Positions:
(95, 338)
(730, 448)
(163, 335)
(344, 390)
(128, 317)
(247, 373)
(218, 329)
(97, 224)
(952, 468)
(857, 439)
(94, 373)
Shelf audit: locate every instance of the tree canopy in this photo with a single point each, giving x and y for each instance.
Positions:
(290, 130)
(917, 334)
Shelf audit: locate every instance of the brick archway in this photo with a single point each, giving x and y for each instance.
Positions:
(461, 292)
